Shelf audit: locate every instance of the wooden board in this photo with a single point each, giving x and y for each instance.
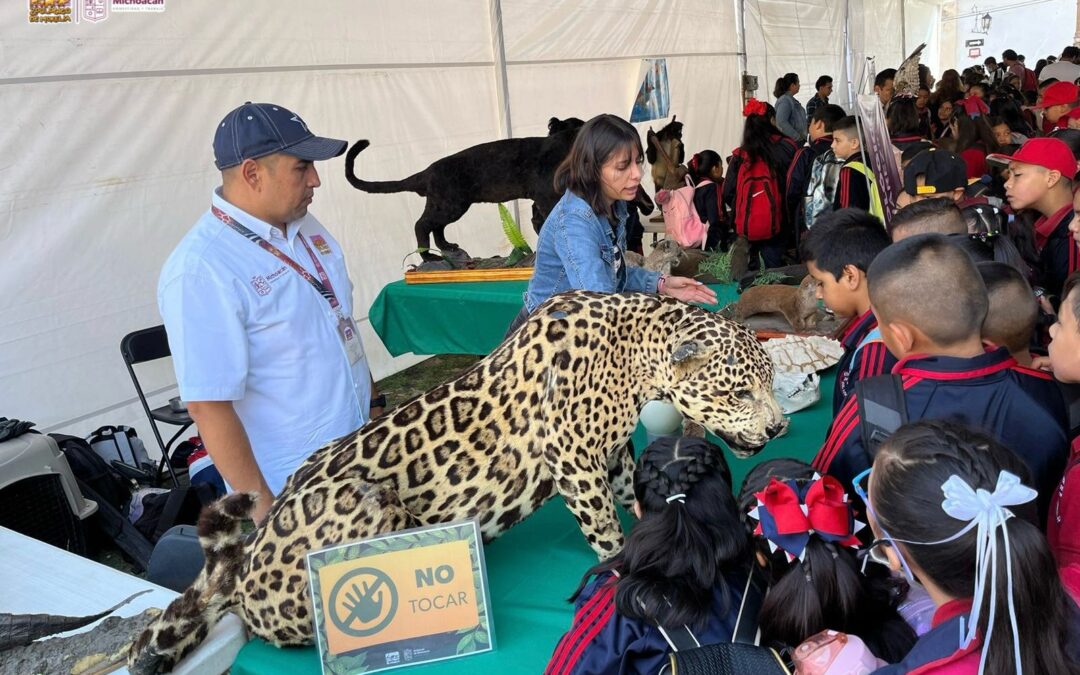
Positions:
(450, 276)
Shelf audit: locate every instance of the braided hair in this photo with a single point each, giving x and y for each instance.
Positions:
(824, 590)
(688, 537)
(906, 492)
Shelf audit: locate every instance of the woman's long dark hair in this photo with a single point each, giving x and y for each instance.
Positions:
(971, 131)
(909, 470)
(680, 550)
(602, 137)
(758, 141)
(825, 590)
(949, 88)
(784, 83)
(1008, 106)
(702, 164)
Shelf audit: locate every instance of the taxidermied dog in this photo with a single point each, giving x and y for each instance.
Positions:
(495, 172)
(666, 153)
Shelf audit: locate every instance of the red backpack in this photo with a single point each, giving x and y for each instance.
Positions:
(1031, 83)
(758, 204)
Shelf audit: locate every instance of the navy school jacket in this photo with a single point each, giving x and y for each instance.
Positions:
(602, 641)
(1058, 253)
(798, 176)
(710, 208)
(939, 650)
(857, 364)
(851, 188)
(983, 392)
(1045, 390)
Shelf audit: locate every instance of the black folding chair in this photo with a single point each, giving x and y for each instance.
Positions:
(151, 344)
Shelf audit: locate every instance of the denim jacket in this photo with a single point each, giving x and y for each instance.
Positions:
(578, 250)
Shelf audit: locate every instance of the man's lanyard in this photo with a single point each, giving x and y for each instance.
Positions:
(324, 287)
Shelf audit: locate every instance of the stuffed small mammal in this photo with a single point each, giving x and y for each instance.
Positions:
(740, 258)
(798, 304)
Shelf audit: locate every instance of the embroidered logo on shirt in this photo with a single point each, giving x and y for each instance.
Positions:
(276, 274)
(321, 244)
(260, 284)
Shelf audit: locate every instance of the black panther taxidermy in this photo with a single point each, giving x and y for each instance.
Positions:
(495, 172)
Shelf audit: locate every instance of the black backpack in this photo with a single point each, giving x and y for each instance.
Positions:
(743, 654)
(102, 483)
(99, 482)
(882, 409)
(159, 510)
(93, 471)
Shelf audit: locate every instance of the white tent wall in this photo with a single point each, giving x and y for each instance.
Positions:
(1010, 28)
(875, 31)
(108, 139)
(109, 158)
(795, 36)
(808, 37)
(569, 58)
(922, 20)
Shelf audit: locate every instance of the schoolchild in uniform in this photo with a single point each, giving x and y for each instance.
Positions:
(949, 508)
(685, 563)
(838, 252)
(1010, 322)
(1040, 178)
(857, 186)
(1063, 525)
(803, 528)
(707, 171)
(808, 175)
(930, 303)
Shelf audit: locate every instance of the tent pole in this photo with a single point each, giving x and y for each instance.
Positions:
(740, 37)
(502, 86)
(848, 55)
(903, 31)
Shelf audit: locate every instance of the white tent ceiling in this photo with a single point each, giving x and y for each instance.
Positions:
(107, 140)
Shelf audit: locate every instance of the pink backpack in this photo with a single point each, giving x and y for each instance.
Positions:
(681, 220)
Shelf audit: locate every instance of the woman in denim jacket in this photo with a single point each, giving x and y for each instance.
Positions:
(583, 239)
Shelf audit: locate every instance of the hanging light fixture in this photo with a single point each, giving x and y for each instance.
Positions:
(982, 23)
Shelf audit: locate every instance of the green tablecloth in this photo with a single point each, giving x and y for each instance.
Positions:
(465, 318)
(535, 566)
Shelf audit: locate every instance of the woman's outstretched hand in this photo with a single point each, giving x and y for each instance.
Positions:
(688, 290)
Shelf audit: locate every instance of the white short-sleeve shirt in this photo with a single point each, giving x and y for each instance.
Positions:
(245, 327)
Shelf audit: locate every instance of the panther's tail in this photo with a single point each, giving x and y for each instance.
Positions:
(188, 619)
(414, 183)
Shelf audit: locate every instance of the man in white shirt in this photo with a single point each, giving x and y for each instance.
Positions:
(257, 303)
(1064, 69)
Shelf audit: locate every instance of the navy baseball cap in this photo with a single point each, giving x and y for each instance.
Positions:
(258, 129)
(942, 171)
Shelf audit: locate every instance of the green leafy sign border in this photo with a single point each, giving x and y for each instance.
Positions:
(473, 640)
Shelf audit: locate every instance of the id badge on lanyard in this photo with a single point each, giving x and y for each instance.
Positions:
(346, 327)
(350, 338)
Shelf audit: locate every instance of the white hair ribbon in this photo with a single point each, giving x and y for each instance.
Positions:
(986, 512)
(681, 498)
